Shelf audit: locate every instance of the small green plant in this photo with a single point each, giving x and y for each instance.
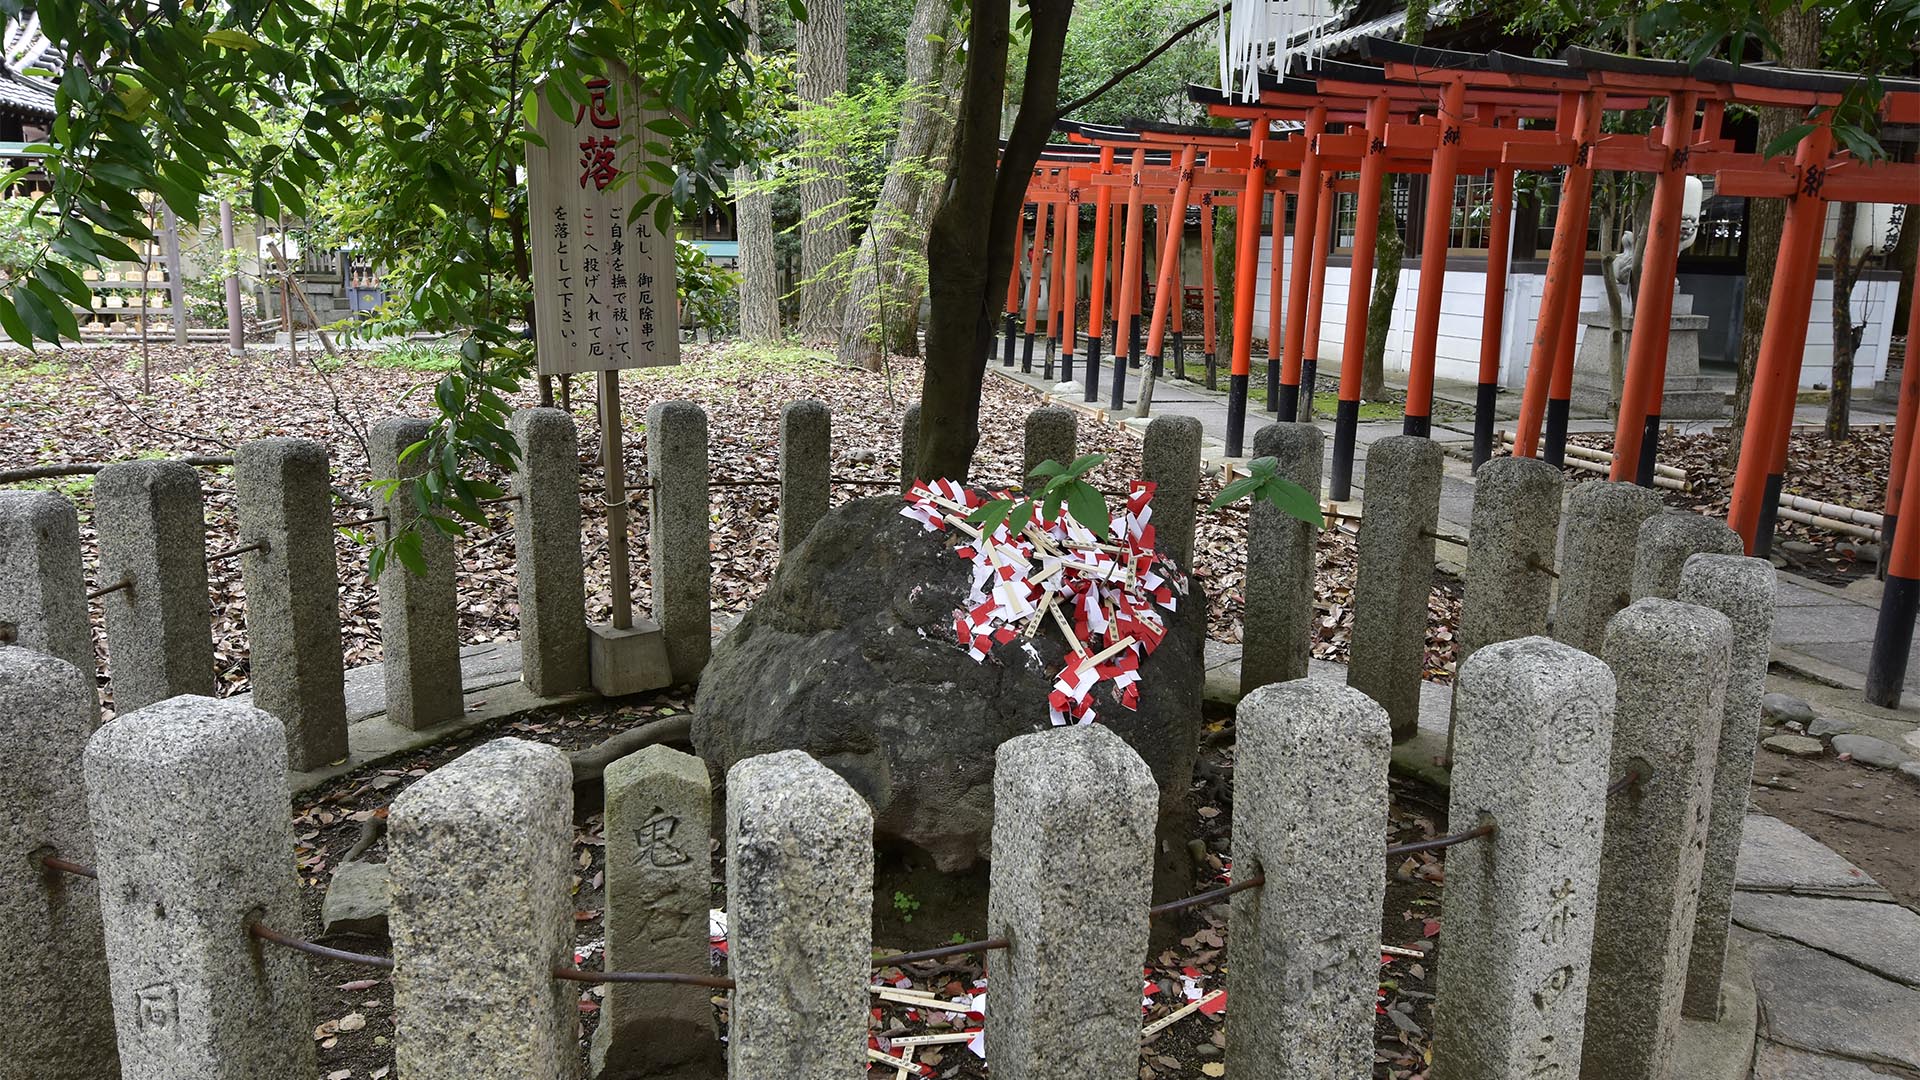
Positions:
(1064, 484)
(906, 905)
(192, 380)
(1263, 481)
(418, 356)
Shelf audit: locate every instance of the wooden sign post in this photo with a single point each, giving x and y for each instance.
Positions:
(604, 299)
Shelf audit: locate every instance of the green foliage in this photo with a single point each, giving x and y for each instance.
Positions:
(396, 125)
(1263, 481)
(1065, 484)
(418, 356)
(1107, 35)
(708, 291)
(905, 904)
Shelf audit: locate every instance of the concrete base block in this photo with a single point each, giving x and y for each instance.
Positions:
(628, 661)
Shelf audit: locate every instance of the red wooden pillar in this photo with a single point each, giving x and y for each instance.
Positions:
(1097, 278)
(1165, 284)
(1179, 226)
(1246, 268)
(1306, 215)
(1493, 315)
(1316, 298)
(1353, 350)
(1125, 348)
(1207, 314)
(1560, 391)
(1903, 423)
(1070, 303)
(1013, 290)
(1056, 285)
(1433, 262)
(1276, 310)
(1033, 285)
(1566, 266)
(1636, 437)
(1776, 377)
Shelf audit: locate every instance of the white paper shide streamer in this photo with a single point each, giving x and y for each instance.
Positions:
(1262, 35)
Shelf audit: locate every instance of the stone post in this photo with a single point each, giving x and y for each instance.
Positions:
(658, 820)
(1073, 829)
(909, 446)
(43, 589)
(419, 621)
(1533, 724)
(1310, 812)
(1276, 639)
(1509, 584)
(1395, 576)
(800, 903)
(1602, 529)
(1053, 434)
(1667, 540)
(153, 535)
(806, 466)
(480, 864)
(60, 1014)
(1669, 665)
(678, 535)
(283, 498)
(548, 569)
(1741, 589)
(192, 841)
(1170, 458)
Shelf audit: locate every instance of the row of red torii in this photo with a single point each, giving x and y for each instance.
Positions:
(1340, 127)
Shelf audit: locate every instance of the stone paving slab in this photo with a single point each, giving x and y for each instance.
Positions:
(1774, 1061)
(1776, 857)
(1879, 937)
(1816, 1002)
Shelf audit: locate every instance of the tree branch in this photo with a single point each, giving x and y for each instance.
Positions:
(1121, 75)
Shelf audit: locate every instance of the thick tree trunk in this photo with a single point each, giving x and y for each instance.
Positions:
(883, 292)
(1846, 339)
(822, 41)
(1798, 33)
(967, 265)
(753, 221)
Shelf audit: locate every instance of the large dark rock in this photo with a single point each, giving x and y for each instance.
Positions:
(851, 657)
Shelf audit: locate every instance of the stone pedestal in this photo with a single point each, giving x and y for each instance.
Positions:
(628, 661)
(1687, 394)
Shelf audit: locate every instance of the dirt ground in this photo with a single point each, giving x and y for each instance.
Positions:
(1871, 816)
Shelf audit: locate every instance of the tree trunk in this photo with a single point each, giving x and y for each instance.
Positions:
(822, 41)
(883, 292)
(1846, 339)
(967, 265)
(1799, 35)
(753, 222)
(1388, 249)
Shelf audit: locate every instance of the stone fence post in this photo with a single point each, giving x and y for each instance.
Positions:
(1073, 831)
(283, 498)
(1395, 576)
(1276, 639)
(658, 819)
(800, 903)
(1170, 458)
(1053, 434)
(419, 619)
(153, 536)
(43, 588)
(806, 468)
(548, 569)
(180, 879)
(1667, 540)
(1310, 812)
(1601, 533)
(910, 447)
(678, 535)
(1669, 665)
(1509, 580)
(1533, 723)
(60, 1015)
(480, 862)
(1741, 589)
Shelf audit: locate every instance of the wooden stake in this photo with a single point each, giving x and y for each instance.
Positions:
(1181, 1013)
(1104, 654)
(613, 460)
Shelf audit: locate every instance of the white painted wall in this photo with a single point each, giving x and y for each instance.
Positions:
(1458, 353)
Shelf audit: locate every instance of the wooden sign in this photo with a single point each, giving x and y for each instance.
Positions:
(603, 286)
